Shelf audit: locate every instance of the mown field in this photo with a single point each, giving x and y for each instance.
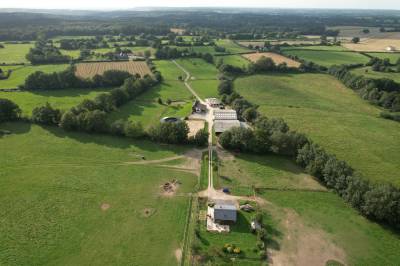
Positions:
(331, 115)
(14, 53)
(369, 73)
(304, 217)
(203, 76)
(89, 70)
(71, 198)
(328, 58)
(20, 73)
(147, 110)
(61, 99)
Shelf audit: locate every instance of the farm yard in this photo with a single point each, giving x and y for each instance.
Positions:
(88, 199)
(277, 58)
(311, 103)
(89, 70)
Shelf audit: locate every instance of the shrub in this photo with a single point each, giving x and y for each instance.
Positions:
(46, 115)
(9, 111)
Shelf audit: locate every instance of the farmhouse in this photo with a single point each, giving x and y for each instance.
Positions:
(213, 102)
(198, 107)
(224, 211)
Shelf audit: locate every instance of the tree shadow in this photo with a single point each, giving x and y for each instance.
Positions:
(12, 128)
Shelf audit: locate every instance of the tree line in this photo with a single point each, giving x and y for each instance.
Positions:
(44, 52)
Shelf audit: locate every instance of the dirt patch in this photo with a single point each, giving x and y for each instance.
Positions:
(147, 212)
(303, 245)
(277, 58)
(169, 188)
(105, 206)
(194, 126)
(178, 254)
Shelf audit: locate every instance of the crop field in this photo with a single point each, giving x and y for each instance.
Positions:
(231, 46)
(369, 73)
(14, 53)
(393, 57)
(376, 44)
(277, 58)
(235, 60)
(20, 73)
(85, 199)
(146, 109)
(329, 58)
(89, 70)
(309, 223)
(312, 103)
(61, 99)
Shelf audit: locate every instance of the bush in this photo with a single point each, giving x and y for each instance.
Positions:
(9, 111)
(46, 115)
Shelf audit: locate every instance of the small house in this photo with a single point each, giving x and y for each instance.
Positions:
(224, 211)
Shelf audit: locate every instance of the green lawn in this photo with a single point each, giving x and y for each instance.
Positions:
(234, 60)
(206, 88)
(54, 185)
(329, 58)
(331, 115)
(20, 73)
(147, 110)
(231, 47)
(14, 53)
(369, 73)
(392, 56)
(62, 99)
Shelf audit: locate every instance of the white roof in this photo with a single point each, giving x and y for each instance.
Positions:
(225, 115)
(224, 125)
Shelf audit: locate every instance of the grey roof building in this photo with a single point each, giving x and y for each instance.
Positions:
(221, 126)
(224, 211)
(225, 115)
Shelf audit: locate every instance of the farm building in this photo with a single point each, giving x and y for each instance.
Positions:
(214, 102)
(225, 115)
(390, 49)
(198, 107)
(221, 126)
(224, 211)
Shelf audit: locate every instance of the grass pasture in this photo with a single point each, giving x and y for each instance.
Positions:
(277, 58)
(369, 73)
(61, 99)
(328, 58)
(89, 70)
(234, 60)
(393, 57)
(300, 213)
(20, 73)
(331, 115)
(73, 199)
(231, 46)
(14, 53)
(147, 110)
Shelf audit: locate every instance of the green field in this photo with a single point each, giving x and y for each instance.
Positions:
(369, 73)
(291, 190)
(203, 76)
(234, 60)
(331, 115)
(20, 73)
(147, 110)
(393, 57)
(72, 53)
(61, 99)
(71, 198)
(231, 47)
(329, 58)
(316, 47)
(14, 53)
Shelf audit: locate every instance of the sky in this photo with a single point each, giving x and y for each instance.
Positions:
(125, 4)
